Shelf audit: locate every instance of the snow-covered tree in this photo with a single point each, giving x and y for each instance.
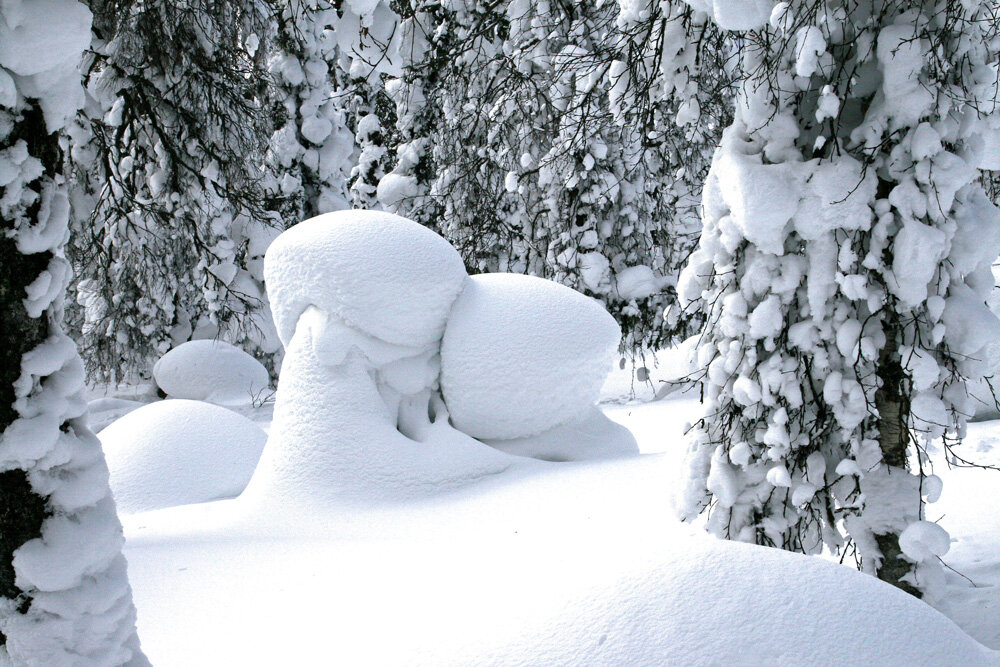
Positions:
(171, 207)
(311, 151)
(844, 268)
(64, 594)
(504, 139)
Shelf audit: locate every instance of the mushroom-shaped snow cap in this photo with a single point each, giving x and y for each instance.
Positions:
(521, 355)
(377, 272)
(213, 371)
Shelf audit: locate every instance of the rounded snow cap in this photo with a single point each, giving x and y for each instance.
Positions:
(178, 452)
(213, 371)
(522, 355)
(381, 273)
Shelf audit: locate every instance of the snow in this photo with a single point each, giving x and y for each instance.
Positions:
(637, 282)
(521, 355)
(924, 540)
(103, 411)
(213, 371)
(336, 435)
(538, 563)
(177, 452)
(736, 14)
(916, 252)
(43, 35)
(761, 198)
(592, 436)
(378, 272)
(564, 564)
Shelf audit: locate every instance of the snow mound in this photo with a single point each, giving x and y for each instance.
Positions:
(178, 452)
(522, 355)
(377, 272)
(213, 371)
(563, 565)
(590, 437)
(343, 404)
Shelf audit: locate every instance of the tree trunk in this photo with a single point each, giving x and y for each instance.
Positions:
(893, 407)
(51, 477)
(22, 511)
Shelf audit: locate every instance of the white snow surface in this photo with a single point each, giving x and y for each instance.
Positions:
(385, 275)
(341, 404)
(552, 564)
(521, 355)
(592, 436)
(213, 371)
(177, 452)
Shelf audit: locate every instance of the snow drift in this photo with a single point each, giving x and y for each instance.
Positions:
(178, 452)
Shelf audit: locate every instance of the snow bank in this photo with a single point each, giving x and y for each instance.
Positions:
(177, 452)
(377, 272)
(577, 566)
(589, 437)
(213, 371)
(521, 355)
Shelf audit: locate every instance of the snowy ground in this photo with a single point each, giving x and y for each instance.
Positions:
(546, 564)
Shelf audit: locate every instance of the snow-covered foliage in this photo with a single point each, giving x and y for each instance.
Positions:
(213, 371)
(170, 207)
(844, 267)
(396, 361)
(177, 452)
(361, 300)
(64, 595)
(503, 139)
(311, 151)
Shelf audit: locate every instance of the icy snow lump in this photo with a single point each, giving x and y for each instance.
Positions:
(522, 355)
(178, 452)
(213, 371)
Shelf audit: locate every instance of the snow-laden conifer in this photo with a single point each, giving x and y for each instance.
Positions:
(844, 268)
(171, 207)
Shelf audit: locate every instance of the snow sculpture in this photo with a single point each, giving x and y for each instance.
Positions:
(213, 371)
(522, 363)
(360, 299)
(178, 452)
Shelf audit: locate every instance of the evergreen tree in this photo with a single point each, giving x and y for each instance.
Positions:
(171, 207)
(64, 595)
(505, 140)
(312, 150)
(844, 268)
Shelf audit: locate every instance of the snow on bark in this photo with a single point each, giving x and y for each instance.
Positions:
(65, 594)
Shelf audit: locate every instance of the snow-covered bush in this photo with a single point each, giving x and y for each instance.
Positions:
(376, 313)
(360, 299)
(213, 371)
(178, 452)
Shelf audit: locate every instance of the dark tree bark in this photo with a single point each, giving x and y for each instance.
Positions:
(22, 511)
